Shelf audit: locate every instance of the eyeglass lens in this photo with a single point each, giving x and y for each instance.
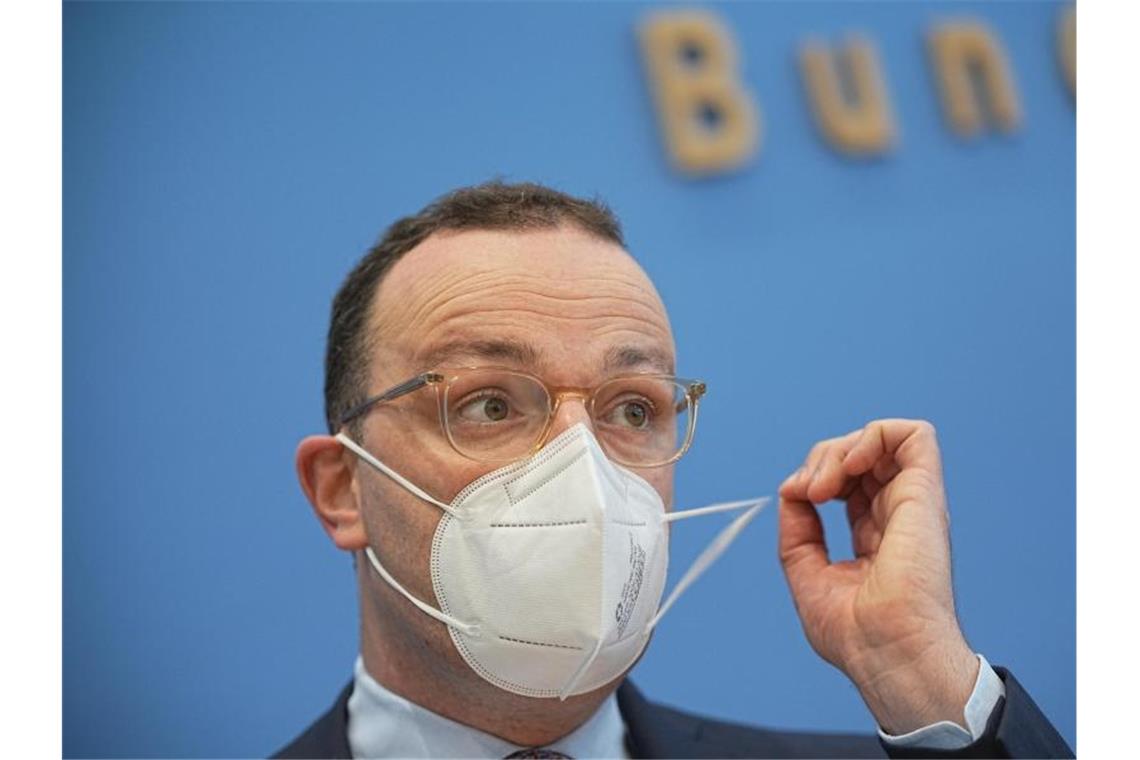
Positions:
(495, 415)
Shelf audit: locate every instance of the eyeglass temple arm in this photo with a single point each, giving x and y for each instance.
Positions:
(404, 388)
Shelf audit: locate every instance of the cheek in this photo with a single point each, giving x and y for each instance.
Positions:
(398, 523)
(422, 454)
(661, 478)
(400, 528)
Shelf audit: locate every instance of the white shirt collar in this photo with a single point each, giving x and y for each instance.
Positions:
(383, 724)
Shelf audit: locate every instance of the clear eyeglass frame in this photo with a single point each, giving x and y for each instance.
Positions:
(688, 402)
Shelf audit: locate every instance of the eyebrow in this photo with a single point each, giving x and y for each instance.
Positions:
(631, 357)
(617, 358)
(509, 350)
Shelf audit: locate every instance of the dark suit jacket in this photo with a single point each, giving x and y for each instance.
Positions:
(1016, 729)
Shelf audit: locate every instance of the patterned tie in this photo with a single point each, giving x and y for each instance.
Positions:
(536, 752)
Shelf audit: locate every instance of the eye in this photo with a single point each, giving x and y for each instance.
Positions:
(485, 408)
(632, 413)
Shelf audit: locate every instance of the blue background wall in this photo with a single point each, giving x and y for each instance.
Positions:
(225, 165)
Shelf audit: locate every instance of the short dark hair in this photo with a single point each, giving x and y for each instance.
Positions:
(489, 206)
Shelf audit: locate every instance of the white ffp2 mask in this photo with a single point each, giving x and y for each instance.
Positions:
(549, 571)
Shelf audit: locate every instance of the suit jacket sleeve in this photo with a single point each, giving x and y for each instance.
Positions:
(1017, 728)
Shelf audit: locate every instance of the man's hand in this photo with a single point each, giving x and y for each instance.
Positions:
(886, 618)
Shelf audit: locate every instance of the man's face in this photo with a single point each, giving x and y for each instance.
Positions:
(559, 304)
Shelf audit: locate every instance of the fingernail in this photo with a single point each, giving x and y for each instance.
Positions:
(788, 481)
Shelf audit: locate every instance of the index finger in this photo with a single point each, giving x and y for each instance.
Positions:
(911, 443)
(822, 465)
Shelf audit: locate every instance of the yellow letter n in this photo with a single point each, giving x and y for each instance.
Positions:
(1067, 46)
(968, 62)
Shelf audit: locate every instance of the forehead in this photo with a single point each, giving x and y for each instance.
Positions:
(557, 301)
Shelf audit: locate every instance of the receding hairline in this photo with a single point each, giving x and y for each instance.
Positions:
(375, 306)
(379, 329)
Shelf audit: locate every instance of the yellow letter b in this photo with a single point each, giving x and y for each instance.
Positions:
(710, 122)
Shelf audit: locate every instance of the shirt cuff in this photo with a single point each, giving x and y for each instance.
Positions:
(947, 735)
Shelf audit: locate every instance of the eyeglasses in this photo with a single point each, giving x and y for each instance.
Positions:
(499, 415)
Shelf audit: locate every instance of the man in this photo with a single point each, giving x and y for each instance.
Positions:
(503, 429)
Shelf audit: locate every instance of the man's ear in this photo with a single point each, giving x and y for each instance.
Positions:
(327, 475)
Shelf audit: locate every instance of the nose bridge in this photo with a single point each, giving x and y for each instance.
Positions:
(566, 415)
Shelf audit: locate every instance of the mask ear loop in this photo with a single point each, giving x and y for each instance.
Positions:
(727, 506)
(354, 447)
(357, 449)
(467, 628)
(581, 671)
(713, 551)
